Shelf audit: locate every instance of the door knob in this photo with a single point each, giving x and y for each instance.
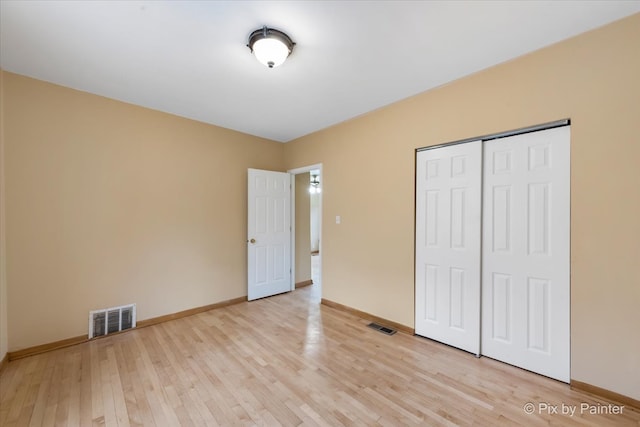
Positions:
(252, 240)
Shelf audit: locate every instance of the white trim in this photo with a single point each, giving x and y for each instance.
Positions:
(304, 169)
(293, 173)
(292, 236)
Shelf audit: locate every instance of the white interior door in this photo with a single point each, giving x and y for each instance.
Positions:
(448, 207)
(525, 254)
(269, 233)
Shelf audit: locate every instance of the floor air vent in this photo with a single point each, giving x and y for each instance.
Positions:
(110, 320)
(382, 329)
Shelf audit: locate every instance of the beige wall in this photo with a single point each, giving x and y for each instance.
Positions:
(109, 204)
(303, 228)
(4, 343)
(593, 79)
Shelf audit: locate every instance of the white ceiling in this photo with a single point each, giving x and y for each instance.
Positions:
(189, 57)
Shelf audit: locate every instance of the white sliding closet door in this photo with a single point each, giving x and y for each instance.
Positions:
(525, 251)
(448, 194)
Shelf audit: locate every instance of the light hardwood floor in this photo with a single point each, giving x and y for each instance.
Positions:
(284, 360)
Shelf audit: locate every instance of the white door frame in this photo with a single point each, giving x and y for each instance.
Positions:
(293, 173)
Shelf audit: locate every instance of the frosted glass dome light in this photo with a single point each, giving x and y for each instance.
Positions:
(271, 47)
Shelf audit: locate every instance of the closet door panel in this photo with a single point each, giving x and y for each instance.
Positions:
(448, 194)
(525, 254)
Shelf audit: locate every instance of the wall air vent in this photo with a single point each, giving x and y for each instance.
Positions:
(110, 320)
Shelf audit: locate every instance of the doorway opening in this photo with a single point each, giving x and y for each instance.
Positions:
(306, 229)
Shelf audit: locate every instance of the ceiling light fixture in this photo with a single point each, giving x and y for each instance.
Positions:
(314, 188)
(270, 46)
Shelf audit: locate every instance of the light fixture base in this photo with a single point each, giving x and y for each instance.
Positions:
(270, 46)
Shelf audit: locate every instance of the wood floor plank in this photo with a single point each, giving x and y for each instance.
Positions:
(284, 360)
